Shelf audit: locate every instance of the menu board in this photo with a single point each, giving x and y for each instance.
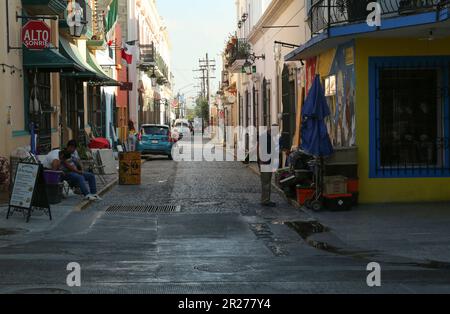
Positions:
(29, 191)
(24, 185)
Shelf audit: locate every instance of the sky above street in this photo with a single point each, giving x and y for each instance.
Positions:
(196, 27)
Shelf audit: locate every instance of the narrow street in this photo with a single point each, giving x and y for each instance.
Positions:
(220, 241)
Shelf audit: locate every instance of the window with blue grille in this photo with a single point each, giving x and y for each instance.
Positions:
(409, 117)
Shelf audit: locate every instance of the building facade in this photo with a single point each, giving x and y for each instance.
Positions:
(387, 86)
(150, 72)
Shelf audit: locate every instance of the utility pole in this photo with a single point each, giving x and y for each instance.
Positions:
(206, 66)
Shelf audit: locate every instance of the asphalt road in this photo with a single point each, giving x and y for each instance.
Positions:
(218, 239)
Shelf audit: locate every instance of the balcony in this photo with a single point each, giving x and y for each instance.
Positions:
(40, 7)
(328, 13)
(237, 52)
(151, 60)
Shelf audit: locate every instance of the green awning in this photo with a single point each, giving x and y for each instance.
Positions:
(107, 81)
(70, 51)
(94, 65)
(48, 60)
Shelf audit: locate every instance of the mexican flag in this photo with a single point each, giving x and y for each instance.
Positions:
(127, 53)
(111, 19)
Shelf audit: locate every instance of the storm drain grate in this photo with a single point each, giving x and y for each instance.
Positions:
(143, 209)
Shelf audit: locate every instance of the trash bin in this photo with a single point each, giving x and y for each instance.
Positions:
(130, 168)
(54, 193)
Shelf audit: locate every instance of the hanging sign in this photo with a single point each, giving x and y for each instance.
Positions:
(126, 86)
(36, 35)
(29, 190)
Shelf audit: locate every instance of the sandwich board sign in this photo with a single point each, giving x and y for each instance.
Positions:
(29, 190)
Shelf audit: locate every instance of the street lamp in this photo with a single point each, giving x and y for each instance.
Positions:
(248, 67)
(153, 78)
(74, 18)
(77, 29)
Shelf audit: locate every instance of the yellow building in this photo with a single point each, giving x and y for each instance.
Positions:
(388, 90)
(15, 113)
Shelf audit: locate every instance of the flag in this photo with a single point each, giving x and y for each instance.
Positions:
(111, 19)
(127, 53)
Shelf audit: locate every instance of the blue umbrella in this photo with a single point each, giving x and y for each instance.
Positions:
(315, 138)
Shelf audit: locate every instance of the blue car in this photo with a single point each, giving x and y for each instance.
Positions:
(155, 139)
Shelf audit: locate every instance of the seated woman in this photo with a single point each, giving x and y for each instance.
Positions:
(78, 177)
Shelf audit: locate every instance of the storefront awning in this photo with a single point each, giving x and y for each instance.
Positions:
(106, 80)
(70, 51)
(48, 60)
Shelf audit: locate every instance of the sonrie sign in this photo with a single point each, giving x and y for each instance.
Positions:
(36, 35)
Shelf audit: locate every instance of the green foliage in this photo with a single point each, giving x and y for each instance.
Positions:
(202, 109)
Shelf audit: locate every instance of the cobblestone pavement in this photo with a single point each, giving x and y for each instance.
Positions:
(221, 241)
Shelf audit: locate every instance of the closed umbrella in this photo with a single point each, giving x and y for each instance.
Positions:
(35, 106)
(33, 139)
(315, 138)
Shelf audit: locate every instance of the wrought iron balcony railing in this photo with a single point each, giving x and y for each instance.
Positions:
(327, 13)
(240, 50)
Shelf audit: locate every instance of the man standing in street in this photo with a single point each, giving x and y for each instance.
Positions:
(266, 164)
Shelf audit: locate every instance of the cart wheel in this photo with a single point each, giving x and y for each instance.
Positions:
(316, 206)
(308, 204)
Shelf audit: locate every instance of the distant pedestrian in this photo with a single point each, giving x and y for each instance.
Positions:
(266, 168)
(132, 133)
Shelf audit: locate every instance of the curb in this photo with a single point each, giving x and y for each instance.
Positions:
(84, 204)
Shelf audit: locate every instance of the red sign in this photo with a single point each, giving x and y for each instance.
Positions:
(36, 35)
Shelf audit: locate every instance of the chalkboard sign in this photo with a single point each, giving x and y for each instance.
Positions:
(29, 191)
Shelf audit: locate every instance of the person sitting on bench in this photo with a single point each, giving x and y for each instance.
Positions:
(77, 177)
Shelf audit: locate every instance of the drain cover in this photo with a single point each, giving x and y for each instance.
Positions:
(144, 209)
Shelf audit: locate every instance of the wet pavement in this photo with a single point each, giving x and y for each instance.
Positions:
(218, 240)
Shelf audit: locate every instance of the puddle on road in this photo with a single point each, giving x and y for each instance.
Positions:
(7, 232)
(307, 228)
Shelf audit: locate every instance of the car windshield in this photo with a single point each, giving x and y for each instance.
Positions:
(179, 125)
(155, 130)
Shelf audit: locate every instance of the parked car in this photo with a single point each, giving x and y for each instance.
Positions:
(182, 127)
(155, 139)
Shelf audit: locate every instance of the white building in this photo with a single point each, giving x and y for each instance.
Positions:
(150, 71)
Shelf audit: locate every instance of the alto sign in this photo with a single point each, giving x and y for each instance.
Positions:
(36, 35)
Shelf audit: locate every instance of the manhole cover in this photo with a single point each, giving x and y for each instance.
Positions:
(6, 232)
(42, 291)
(144, 209)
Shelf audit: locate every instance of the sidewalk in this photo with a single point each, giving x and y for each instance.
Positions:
(417, 233)
(16, 226)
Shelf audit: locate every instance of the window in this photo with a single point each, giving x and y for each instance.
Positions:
(95, 111)
(155, 130)
(40, 112)
(410, 119)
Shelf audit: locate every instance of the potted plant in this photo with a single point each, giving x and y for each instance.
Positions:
(244, 49)
(356, 9)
